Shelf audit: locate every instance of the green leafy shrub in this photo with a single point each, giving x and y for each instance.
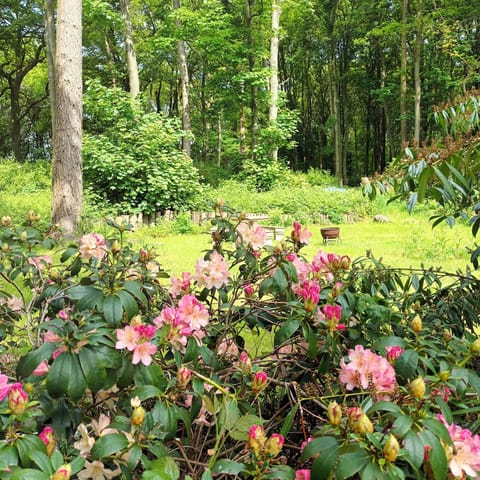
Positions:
(368, 372)
(131, 158)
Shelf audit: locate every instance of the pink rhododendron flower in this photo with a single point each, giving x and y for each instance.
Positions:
(180, 286)
(17, 398)
(260, 380)
(92, 245)
(47, 436)
(465, 456)
(63, 315)
(51, 337)
(227, 347)
(40, 261)
(15, 304)
(309, 290)
(101, 426)
(212, 272)
(367, 370)
(4, 386)
(128, 338)
(248, 290)
(300, 234)
(192, 312)
(42, 369)
(251, 234)
(303, 474)
(143, 353)
(393, 353)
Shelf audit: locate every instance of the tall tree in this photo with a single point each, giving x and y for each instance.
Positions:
(417, 67)
(132, 67)
(67, 166)
(22, 49)
(403, 75)
(185, 87)
(49, 14)
(273, 111)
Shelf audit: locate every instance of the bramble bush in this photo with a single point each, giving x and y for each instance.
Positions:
(126, 373)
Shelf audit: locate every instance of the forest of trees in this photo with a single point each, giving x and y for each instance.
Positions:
(356, 81)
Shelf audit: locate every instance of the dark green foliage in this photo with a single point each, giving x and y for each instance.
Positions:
(131, 158)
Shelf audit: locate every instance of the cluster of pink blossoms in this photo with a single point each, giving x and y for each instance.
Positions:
(180, 286)
(251, 234)
(300, 234)
(187, 320)
(465, 456)
(326, 264)
(331, 316)
(136, 339)
(212, 272)
(92, 245)
(367, 370)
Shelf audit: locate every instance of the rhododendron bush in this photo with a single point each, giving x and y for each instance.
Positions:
(258, 364)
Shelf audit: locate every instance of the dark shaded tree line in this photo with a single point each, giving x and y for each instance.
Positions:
(362, 77)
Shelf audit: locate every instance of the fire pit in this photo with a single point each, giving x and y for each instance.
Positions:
(330, 234)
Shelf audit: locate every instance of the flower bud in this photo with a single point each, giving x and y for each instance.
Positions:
(260, 380)
(17, 398)
(393, 353)
(62, 473)
(418, 388)
(391, 448)
(475, 347)
(447, 336)
(444, 375)
(244, 362)
(183, 377)
(31, 216)
(138, 416)
(416, 324)
(345, 262)
(256, 438)
(6, 221)
(274, 444)
(116, 247)
(48, 438)
(23, 236)
(334, 413)
(359, 422)
(5, 247)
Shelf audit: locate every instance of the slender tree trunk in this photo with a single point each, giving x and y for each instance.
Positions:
(185, 87)
(335, 111)
(132, 67)
(67, 165)
(418, 80)
(108, 51)
(250, 7)
(219, 139)
(274, 41)
(15, 120)
(50, 48)
(403, 76)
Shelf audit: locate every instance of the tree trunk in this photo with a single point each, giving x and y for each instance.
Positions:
(250, 7)
(132, 67)
(403, 77)
(15, 119)
(50, 48)
(418, 80)
(185, 87)
(67, 142)
(273, 111)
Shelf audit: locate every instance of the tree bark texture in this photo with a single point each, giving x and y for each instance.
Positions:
(50, 48)
(67, 166)
(403, 76)
(132, 67)
(274, 41)
(417, 67)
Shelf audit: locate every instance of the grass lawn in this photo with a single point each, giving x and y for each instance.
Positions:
(405, 241)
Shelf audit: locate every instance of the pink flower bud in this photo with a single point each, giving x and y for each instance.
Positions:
(393, 353)
(48, 438)
(334, 413)
(183, 377)
(17, 398)
(359, 422)
(62, 473)
(391, 449)
(260, 380)
(274, 444)
(256, 438)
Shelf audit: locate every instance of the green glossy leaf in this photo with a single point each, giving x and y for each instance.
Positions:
(414, 449)
(406, 365)
(76, 383)
(135, 289)
(42, 460)
(280, 472)
(8, 456)
(29, 474)
(59, 374)
(438, 459)
(108, 445)
(80, 291)
(288, 422)
(402, 425)
(325, 463)
(351, 462)
(26, 445)
(31, 360)
(438, 429)
(94, 372)
(318, 446)
(112, 310)
(372, 472)
(280, 279)
(229, 467)
(129, 303)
